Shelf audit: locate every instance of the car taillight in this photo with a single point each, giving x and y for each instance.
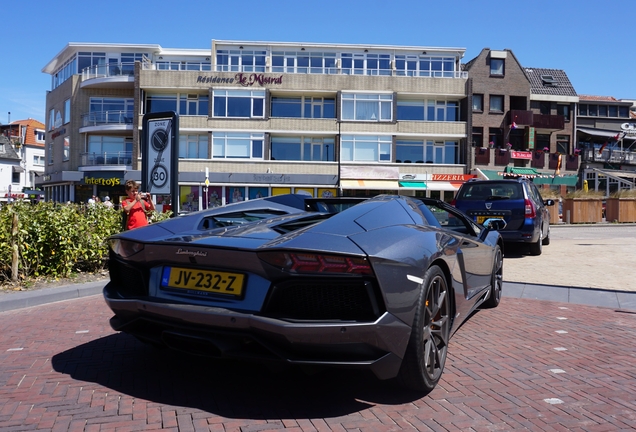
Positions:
(297, 262)
(453, 202)
(530, 211)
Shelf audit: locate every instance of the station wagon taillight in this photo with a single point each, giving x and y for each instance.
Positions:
(530, 210)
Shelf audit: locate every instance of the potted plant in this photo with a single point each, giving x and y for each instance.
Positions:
(621, 206)
(583, 207)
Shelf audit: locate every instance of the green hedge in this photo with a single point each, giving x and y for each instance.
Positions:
(57, 240)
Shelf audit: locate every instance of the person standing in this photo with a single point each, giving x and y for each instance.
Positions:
(107, 202)
(136, 205)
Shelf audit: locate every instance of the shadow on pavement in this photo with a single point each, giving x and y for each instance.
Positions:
(228, 388)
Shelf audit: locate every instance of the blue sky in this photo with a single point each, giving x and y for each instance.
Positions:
(591, 41)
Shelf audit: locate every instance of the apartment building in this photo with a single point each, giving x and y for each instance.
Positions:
(260, 118)
(21, 158)
(522, 120)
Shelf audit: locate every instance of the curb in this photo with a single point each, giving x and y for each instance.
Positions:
(25, 299)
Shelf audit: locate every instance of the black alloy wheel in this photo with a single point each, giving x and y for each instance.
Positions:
(426, 352)
(496, 280)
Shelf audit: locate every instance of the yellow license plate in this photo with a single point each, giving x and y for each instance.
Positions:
(482, 219)
(203, 280)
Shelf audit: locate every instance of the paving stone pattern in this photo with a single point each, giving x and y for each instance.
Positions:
(528, 364)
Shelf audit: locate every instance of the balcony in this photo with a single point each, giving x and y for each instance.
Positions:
(548, 122)
(608, 155)
(107, 120)
(112, 75)
(107, 158)
(521, 118)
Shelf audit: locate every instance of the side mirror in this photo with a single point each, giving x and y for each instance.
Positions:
(494, 224)
(549, 202)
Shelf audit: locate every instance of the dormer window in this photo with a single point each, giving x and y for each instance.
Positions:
(548, 81)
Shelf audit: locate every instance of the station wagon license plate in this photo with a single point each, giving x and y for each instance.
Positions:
(482, 219)
(203, 280)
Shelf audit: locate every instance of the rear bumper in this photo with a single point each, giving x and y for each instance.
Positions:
(530, 234)
(217, 332)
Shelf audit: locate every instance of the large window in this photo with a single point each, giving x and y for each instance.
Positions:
(366, 148)
(239, 103)
(67, 111)
(67, 149)
(496, 67)
(563, 144)
(430, 110)
(304, 62)
(240, 61)
(367, 107)
(478, 102)
(564, 110)
(108, 149)
(193, 146)
(417, 151)
(302, 148)
(237, 145)
(110, 111)
(365, 64)
(496, 103)
(303, 107)
(426, 66)
(183, 104)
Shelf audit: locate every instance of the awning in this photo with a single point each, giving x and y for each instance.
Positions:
(412, 184)
(598, 132)
(369, 184)
(521, 171)
(490, 174)
(567, 180)
(443, 186)
(17, 169)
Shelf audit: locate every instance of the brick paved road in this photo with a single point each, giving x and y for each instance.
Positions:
(525, 365)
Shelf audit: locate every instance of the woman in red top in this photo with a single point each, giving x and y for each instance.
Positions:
(136, 206)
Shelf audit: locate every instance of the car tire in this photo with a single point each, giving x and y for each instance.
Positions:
(426, 352)
(496, 281)
(536, 248)
(546, 240)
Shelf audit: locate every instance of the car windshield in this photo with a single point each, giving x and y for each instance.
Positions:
(491, 191)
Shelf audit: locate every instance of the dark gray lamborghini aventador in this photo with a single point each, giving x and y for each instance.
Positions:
(380, 283)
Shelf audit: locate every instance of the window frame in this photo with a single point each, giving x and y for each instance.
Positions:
(478, 97)
(497, 71)
(490, 104)
(352, 145)
(230, 94)
(225, 139)
(200, 143)
(383, 100)
(308, 148)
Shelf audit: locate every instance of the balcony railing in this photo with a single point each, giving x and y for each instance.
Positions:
(521, 117)
(206, 67)
(108, 70)
(107, 158)
(542, 121)
(608, 155)
(101, 118)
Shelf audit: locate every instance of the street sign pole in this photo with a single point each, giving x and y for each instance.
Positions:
(160, 156)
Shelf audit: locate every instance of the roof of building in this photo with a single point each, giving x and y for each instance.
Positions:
(598, 98)
(7, 151)
(553, 82)
(28, 127)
